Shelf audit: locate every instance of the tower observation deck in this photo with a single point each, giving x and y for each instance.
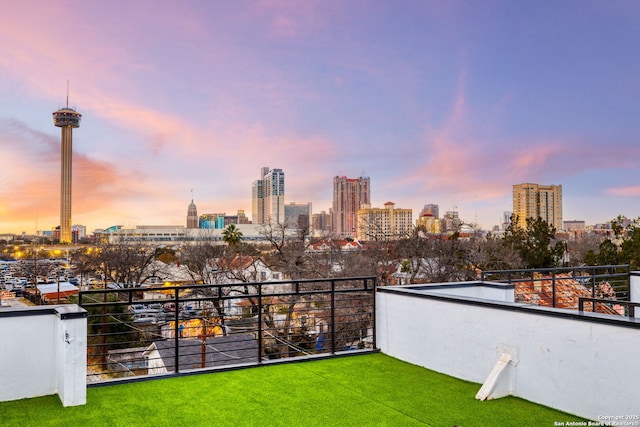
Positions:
(66, 119)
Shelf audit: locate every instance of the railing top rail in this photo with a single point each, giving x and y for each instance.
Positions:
(556, 269)
(205, 285)
(605, 300)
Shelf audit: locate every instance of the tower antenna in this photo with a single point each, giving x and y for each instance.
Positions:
(67, 93)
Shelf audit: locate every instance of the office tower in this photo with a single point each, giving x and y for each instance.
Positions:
(297, 216)
(388, 223)
(257, 201)
(321, 222)
(192, 215)
(78, 232)
(451, 221)
(349, 194)
(268, 197)
(66, 119)
(538, 201)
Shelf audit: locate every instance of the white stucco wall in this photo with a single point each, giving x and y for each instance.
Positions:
(484, 290)
(43, 353)
(634, 290)
(581, 367)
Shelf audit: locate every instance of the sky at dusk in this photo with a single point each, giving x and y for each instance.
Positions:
(444, 102)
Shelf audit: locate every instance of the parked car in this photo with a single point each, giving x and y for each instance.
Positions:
(190, 313)
(18, 292)
(145, 318)
(138, 308)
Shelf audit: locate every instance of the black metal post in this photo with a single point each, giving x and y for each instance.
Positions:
(373, 329)
(333, 316)
(176, 331)
(553, 287)
(260, 338)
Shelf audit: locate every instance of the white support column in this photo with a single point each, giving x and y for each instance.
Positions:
(634, 290)
(71, 357)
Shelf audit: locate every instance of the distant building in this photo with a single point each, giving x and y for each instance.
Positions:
(321, 222)
(538, 201)
(211, 220)
(573, 225)
(297, 216)
(192, 215)
(430, 210)
(451, 221)
(506, 220)
(172, 233)
(78, 232)
(388, 223)
(430, 223)
(242, 218)
(268, 197)
(349, 195)
(221, 220)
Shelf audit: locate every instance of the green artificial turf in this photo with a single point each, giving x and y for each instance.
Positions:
(364, 390)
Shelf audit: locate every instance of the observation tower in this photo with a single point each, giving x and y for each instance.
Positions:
(67, 119)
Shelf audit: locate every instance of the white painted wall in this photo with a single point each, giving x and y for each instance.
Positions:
(484, 290)
(43, 353)
(580, 367)
(634, 290)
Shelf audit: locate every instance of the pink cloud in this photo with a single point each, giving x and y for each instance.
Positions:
(533, 159)
(628, 191)
(293, 19)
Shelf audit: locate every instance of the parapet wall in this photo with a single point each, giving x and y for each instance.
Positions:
(44, 352)
(576, 362)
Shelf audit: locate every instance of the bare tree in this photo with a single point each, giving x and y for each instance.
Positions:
(581, 246)
(290, 250)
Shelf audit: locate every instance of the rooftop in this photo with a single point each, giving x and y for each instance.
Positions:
(366, 389)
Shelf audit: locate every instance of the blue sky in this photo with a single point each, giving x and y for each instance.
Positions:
(437, 102)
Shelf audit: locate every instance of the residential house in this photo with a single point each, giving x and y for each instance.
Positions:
(228, 350)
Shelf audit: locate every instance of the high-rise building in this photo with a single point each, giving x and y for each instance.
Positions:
(66, 119)
(268, 197)
(192, 215)
(257, 202)
(538, 201)
(384, 224)
(451, 221)
(297, 215)
(349, 194)
(321, 222)
(78, 232)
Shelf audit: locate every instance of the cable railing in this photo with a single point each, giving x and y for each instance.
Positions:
(134, 331)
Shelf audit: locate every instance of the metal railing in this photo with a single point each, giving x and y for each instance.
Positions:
(630, 306)
(562, 286)
(169, 330)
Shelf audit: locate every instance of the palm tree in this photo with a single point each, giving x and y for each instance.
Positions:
(231, 235)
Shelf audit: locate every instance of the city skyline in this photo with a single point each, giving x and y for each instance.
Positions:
(447, 103)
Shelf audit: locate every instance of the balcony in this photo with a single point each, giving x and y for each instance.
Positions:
(484, 345)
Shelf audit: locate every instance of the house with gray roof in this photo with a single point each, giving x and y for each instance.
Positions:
(236, 349)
